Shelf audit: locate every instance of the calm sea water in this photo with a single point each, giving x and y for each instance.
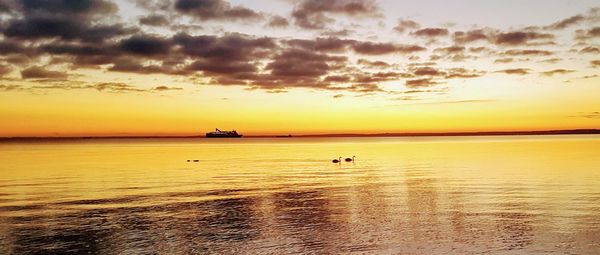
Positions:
(457, 195)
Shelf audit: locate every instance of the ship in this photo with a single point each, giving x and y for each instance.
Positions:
(223, 134)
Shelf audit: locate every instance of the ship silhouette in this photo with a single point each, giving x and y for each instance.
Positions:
(223, 134)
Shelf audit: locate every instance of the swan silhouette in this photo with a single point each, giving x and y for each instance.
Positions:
(350, 159)
(337, 160)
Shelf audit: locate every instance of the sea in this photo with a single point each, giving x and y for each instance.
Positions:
(400, 195)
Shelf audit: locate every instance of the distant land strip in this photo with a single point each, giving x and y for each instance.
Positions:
(486, 133)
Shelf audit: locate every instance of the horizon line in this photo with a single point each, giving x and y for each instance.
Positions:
(386, 134)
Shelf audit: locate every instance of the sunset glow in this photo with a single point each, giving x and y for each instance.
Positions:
(151, 67)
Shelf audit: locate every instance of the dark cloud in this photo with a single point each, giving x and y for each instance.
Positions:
(517, 71)
(552, 60)
(215, 10)
(373, 64)
(79, 7)
(338, 78)
(562, 24)
(329, 44)
(431, 32)
(462, 73)
(556, 71)
(595, 63)
(65, 20)
(278, 21)
(504, 60)
(166, 88)
(313, 14)
(10, 47)
(11, 87)
(333, 44)
(420, 83)
(451, 50)
(132, 66)
(155, 20)
(591, 33)
(404, 25)
(365, 88)
(115, 87)
(296, 62)
(4, 70)
(461, 37)
(145, 45)
(520, 37)
(371, 48)
(378, 77)
(222, 67)
(65, 28)
(5, 7)
(75, 49)
(428, 71)
(231, 47)
(527, 53)
(590, 49)
(37, 72)
(479, 49)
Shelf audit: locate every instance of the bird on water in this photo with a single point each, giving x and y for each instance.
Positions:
(337, 160)
(350, 159)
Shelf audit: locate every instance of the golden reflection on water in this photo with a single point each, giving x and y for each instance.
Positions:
(457, 195)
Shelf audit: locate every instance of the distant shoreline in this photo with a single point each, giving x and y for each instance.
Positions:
(416, 134)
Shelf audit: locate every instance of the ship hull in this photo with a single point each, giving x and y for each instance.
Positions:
(222, 136)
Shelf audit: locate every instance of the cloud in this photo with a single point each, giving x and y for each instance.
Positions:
(562, 24)
(145, 45)
(431, 32)
(296, 63)
(428, 71)
(4, 87)
(338, 79)
(590, 49)
(450, 50)
(166, 88)
(278, 21)
(373, 64)
(4, 70)
(155, 20)
(552, 60)
(504, 60)
(520, 37)
(215, 10)
(517, 52)
(37, 72)
(589, 115)
(314, 14)
(404, 25)
(591, 33)
(329, 44)
(129, 65)
(517, 71)
(420, 83)
(463, 73)
(116, 87)
(595, 63)
(461, 37)
(370, 48)
(556, 71)
(65, 28)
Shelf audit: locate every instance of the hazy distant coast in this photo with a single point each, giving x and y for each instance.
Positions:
(416, 134)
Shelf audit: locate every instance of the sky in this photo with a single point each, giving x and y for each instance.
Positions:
(186, 67)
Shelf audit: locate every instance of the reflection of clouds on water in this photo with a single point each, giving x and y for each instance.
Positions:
(432, 200)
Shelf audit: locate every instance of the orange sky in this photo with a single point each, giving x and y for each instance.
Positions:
(113, 68)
